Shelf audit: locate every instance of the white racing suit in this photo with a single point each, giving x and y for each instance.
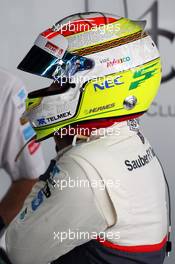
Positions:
(101, 201)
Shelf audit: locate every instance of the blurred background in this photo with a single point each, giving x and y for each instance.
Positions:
(21, 22)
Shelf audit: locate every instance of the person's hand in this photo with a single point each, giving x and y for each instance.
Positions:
(13, 201)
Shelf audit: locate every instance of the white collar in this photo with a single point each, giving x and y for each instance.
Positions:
(118, 130)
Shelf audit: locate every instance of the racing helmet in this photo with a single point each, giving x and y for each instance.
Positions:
(103, 67)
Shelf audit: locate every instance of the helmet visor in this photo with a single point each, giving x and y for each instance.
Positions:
(53, 61)
(39, 62)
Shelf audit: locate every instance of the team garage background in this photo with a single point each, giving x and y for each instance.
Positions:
(21, 21)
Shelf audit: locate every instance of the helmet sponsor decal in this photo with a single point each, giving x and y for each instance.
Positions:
(57, 47)
(53, 48)
(146, 73)
(53, 119)
(100, 108)
(111, 63)
(109, 83)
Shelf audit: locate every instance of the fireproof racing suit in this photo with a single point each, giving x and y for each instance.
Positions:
(101, 201)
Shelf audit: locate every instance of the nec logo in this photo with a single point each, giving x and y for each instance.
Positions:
(107, 84)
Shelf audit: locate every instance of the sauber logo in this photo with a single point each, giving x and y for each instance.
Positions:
(141, 161)
(53, 48)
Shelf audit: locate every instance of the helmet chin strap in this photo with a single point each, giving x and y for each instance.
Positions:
(80, 137)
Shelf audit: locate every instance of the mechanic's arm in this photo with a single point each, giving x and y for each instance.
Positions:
(14, 135)
(13, 200)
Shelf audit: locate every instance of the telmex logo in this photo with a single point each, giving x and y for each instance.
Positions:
(111, 83)
(45, 121)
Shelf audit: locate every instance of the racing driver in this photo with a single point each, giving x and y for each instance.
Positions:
(102, 199)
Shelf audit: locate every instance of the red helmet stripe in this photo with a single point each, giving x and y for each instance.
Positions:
(77, 26)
